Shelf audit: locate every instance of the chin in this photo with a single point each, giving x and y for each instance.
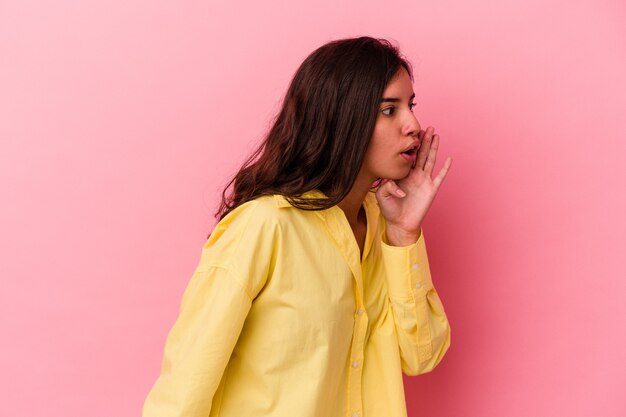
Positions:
(396, 174)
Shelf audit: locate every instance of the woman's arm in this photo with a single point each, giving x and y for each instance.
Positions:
(234, 267)
(421, 324)
(199, 345)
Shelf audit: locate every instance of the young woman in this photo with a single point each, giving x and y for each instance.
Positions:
(313, 293)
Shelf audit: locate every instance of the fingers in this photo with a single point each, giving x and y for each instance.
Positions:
(442, 173)
(432, 156)
(425, 137)
(389, 189)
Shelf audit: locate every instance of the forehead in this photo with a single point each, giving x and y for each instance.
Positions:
(399, 85)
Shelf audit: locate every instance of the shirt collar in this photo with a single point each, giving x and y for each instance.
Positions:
(281, 200)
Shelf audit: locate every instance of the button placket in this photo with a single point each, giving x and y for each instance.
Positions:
(355, 371)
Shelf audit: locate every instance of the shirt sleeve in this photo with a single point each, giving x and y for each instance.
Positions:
(234, 266)
(420, 321)
(199, 345)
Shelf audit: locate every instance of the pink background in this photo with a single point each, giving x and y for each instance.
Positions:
(120, 122)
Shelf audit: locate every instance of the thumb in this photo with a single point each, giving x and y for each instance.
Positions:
(390, 189)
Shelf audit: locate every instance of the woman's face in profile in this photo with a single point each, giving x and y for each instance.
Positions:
(393, 147)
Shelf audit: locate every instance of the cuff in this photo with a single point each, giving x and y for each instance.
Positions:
(407, 269)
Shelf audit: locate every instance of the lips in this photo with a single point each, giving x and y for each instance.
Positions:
(410, 153)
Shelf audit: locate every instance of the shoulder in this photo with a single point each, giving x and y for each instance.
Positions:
(254, 217)
(242, 246)
(244, 243)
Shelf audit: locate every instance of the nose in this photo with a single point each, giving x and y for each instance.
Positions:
(411, 126)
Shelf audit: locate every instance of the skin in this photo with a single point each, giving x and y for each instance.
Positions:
(407, 192)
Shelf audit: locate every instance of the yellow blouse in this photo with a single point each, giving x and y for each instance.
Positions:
(282, 317)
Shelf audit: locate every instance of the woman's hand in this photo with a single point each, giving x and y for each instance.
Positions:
(404, 203)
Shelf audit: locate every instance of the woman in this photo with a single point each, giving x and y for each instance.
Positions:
(313, 294)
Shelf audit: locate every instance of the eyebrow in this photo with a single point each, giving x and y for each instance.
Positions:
(393, 99)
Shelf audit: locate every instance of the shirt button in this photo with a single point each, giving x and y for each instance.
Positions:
(355, 364)
(359, 311)
(418, 285)
(415, 266)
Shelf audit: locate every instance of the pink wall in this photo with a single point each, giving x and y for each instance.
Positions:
(120, 121)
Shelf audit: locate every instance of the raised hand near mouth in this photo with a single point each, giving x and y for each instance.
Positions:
(404, 203)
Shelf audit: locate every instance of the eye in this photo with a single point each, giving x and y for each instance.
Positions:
(411, 105)
(389, 111)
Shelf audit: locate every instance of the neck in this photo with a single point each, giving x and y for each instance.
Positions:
(352, 203)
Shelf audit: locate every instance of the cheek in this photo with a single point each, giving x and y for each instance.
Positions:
(373, 151)
(379, 146)
(378, 140)
(377, 160)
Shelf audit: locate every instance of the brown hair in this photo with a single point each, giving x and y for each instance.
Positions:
(319, 138)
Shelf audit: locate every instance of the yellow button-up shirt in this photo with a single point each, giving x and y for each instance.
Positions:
(283, 317)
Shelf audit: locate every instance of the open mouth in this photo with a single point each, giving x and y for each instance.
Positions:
(410, 154)
(411, 151)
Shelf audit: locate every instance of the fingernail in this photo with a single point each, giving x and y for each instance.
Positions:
(400, 193)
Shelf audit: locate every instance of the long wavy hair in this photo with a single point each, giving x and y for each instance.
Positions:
(319, 138)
